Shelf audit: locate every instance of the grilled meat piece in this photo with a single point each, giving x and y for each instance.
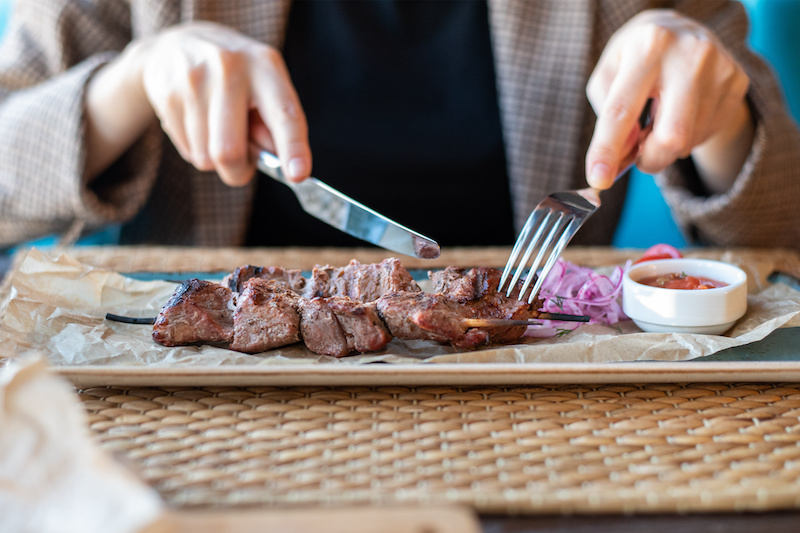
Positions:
(198, 311)
(475, 284)
(339, 326)
(360, 282)
(362, 325)
(433, 317)
(401, 313)
(292, 278)
(265, 317)
(477, 288)
(320, 329)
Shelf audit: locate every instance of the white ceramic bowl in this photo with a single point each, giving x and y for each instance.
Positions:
(709, 311)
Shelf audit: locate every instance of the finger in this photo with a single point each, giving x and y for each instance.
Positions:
(168, 107)
(688, 80)
(673, 134)
(259, 133)
(260, 137)
(618, 116)
(279, 107)
(602, 77)
(718, 109)
(196, 117)
(631, 149)
(172, 122)
(228, 120)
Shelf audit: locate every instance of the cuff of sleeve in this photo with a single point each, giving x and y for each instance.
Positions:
(741, 216)
(43, 160)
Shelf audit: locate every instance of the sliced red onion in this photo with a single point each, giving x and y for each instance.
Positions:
(577, 290)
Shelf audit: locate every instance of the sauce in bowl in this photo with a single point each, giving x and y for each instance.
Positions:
(675, 280)
(710, 312)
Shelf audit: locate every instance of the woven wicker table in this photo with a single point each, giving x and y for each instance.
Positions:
(547, 450)
(609, 448)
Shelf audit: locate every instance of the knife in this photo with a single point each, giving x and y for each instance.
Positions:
(342, 212)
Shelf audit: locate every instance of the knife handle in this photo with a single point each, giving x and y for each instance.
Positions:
(269, 164)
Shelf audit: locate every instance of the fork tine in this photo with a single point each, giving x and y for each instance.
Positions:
(535, 243)
(518, 245)
(567, 210)
(569, 231)
(544, 249)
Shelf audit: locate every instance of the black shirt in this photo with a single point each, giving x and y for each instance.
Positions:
(403, 116)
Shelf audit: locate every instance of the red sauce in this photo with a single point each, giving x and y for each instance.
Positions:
(681, 281)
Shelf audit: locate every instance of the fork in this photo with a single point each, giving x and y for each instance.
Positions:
(554, 222)
(550, 227)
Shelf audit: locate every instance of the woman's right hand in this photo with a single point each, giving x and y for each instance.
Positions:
(699, 93)
(214, 91)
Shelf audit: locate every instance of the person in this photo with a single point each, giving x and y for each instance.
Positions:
(455, 118)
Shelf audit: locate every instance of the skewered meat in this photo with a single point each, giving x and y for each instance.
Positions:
(266, 317)
(357, 281)
(431, 317)
(321, 331)
(341, 310)
(338, 326)
(402, 311)
(333, 319)
(477, 288)
(360, 282)
(363, 327)
(198, 311)
(292, 278)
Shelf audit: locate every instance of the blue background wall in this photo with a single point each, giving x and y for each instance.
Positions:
(5, 10)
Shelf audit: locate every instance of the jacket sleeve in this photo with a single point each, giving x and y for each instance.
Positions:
(50, 51)
(761, 208)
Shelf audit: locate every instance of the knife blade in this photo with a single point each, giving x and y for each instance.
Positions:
(354, 218)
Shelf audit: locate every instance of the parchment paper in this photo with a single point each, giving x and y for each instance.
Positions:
(58, 306)
(53, 477)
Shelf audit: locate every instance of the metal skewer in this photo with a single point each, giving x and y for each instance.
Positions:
(130, 320)
(505, 322)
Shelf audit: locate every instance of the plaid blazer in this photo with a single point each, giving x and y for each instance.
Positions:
(544, 52)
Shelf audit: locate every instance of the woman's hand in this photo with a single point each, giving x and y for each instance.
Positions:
(699, 107)
(214, 91)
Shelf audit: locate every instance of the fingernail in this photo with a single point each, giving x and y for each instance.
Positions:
(296, 168)
(600, 177)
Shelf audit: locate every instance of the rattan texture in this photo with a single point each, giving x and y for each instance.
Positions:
(542, 449)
